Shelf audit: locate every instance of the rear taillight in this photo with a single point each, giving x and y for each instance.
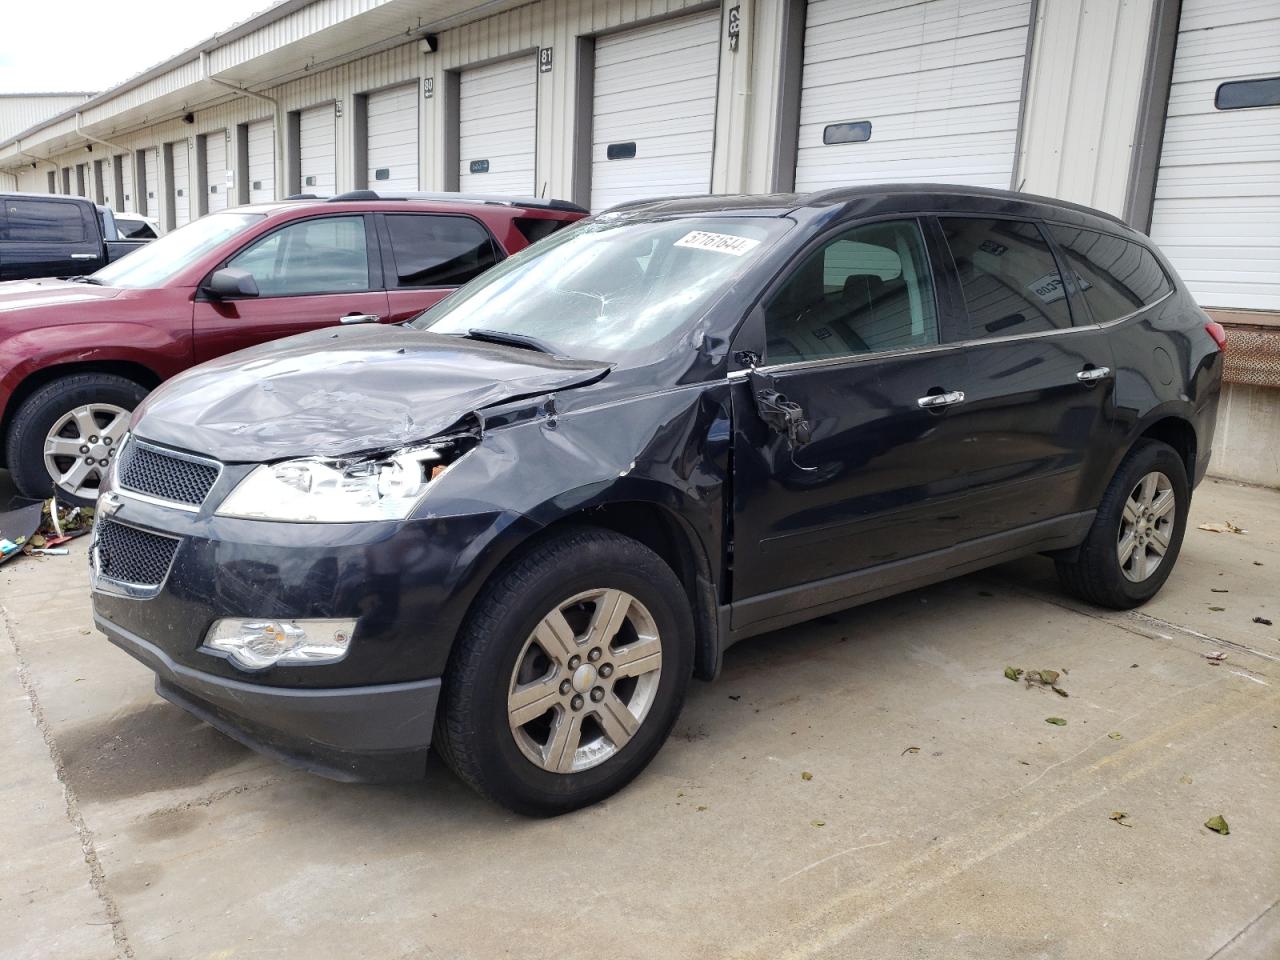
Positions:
(1219, 334)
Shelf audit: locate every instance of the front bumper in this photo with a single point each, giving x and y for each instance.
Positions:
(368, 734)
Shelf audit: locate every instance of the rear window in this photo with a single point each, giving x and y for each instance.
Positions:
(1117, 277)
(47, 221)
(438, 251)
(1009, 277)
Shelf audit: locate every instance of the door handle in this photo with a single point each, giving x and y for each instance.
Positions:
(935, 400)
(84, 256)
(1091, 374)
(360, 318)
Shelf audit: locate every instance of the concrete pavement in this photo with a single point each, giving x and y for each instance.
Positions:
(944, 817)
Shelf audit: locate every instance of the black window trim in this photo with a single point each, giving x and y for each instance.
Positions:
(390, 273)
(85, 235)
(751, 330)
(373, 255)
(1094, 323)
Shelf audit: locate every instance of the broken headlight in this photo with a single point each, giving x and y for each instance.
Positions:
(347, 490)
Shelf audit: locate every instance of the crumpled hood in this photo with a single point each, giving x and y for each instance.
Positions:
(332, 392)
(23, 294)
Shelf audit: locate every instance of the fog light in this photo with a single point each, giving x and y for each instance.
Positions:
(255, 644)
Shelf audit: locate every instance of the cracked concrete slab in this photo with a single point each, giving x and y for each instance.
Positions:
(991, 839)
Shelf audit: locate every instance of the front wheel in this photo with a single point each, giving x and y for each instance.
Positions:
(1137, 533)
(568, 675)
(65, 435)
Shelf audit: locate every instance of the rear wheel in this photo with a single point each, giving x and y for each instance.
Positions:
(568, 675)
(1137, 533)
(65, 435)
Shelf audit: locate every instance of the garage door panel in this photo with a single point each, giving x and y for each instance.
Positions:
(262, 161)
(181, 183)
(940, 82)
(392, 138)
(130, 198)
(1217, 199)
(655, 86)
(318, 150)
(498, 113)
(215, 153)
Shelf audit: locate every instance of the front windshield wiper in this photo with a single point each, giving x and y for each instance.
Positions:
(521, 340)
(86, 279)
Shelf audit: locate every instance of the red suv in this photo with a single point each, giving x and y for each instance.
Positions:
(77, 355)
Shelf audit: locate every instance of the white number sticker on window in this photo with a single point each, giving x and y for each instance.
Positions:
(719, 242)
(1048, 288)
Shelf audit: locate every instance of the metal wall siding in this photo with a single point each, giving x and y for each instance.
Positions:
(1081, 111)
(19, 113)
(1217, 202)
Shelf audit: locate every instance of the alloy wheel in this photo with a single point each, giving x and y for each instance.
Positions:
(81, 445)
(584, 681)
(1146, 527)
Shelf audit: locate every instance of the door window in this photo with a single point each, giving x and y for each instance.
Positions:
(1117, 277)
(322, 255)
(1009, 277)
(43, 221)
(867, 290)
(434, 251)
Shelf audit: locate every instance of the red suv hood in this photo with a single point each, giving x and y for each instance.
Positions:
(21, 294)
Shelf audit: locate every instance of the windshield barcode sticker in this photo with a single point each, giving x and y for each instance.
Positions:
(719, 242)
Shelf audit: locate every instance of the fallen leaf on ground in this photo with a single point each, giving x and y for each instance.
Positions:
(1013, 673)
(1257, 563)
(1217, 609)
(1224, 526)
(1056, 721)
(909, 750)
(1219, 590)
(1115, 736)
(1059, 691)
(806, 775)
(1218, 825)
(819, 823)
(1119, 816)
(1184, 779)
(701, 808)
(1049, 677)
(1262, 620)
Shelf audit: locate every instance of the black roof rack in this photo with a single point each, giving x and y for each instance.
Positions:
(533, 203)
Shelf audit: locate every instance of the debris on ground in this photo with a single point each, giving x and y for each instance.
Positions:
(1218, 825)
(1216, 609)
(806, 775)
(1219, 590)
(1115, 735)
(1216, 657)
(1056, 721)
(1224, 526)
(1119, 817)
(909, 750)
(1262, 620)
(1038, 678)
(819, 823)
(38, 528)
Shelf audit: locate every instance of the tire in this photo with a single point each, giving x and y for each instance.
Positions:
(101, 393)
(1097, 575)
(474, 733)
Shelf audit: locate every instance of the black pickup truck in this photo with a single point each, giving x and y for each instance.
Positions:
(42, 235)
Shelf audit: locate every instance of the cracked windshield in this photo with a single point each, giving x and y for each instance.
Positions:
(612, 289)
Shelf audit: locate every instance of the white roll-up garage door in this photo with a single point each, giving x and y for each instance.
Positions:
(215, 171)
(497, 125)
(1217, 202)
(262, 161)
(181, 196)
(151, 182)
(919, 92)
(128, 189)
(654, 110)
(392, 130)
(318, 148)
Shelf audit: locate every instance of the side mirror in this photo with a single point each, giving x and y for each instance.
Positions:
(230, 283)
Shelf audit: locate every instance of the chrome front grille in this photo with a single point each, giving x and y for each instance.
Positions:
(158, 473)
(132, 556)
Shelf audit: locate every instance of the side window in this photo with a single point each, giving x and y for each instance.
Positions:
(1009, 277)
(867, 290)
(47, 221)
(323, 255)
(1117, 276)
(434, 251)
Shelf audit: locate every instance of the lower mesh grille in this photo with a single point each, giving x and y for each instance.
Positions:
(130, 555)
